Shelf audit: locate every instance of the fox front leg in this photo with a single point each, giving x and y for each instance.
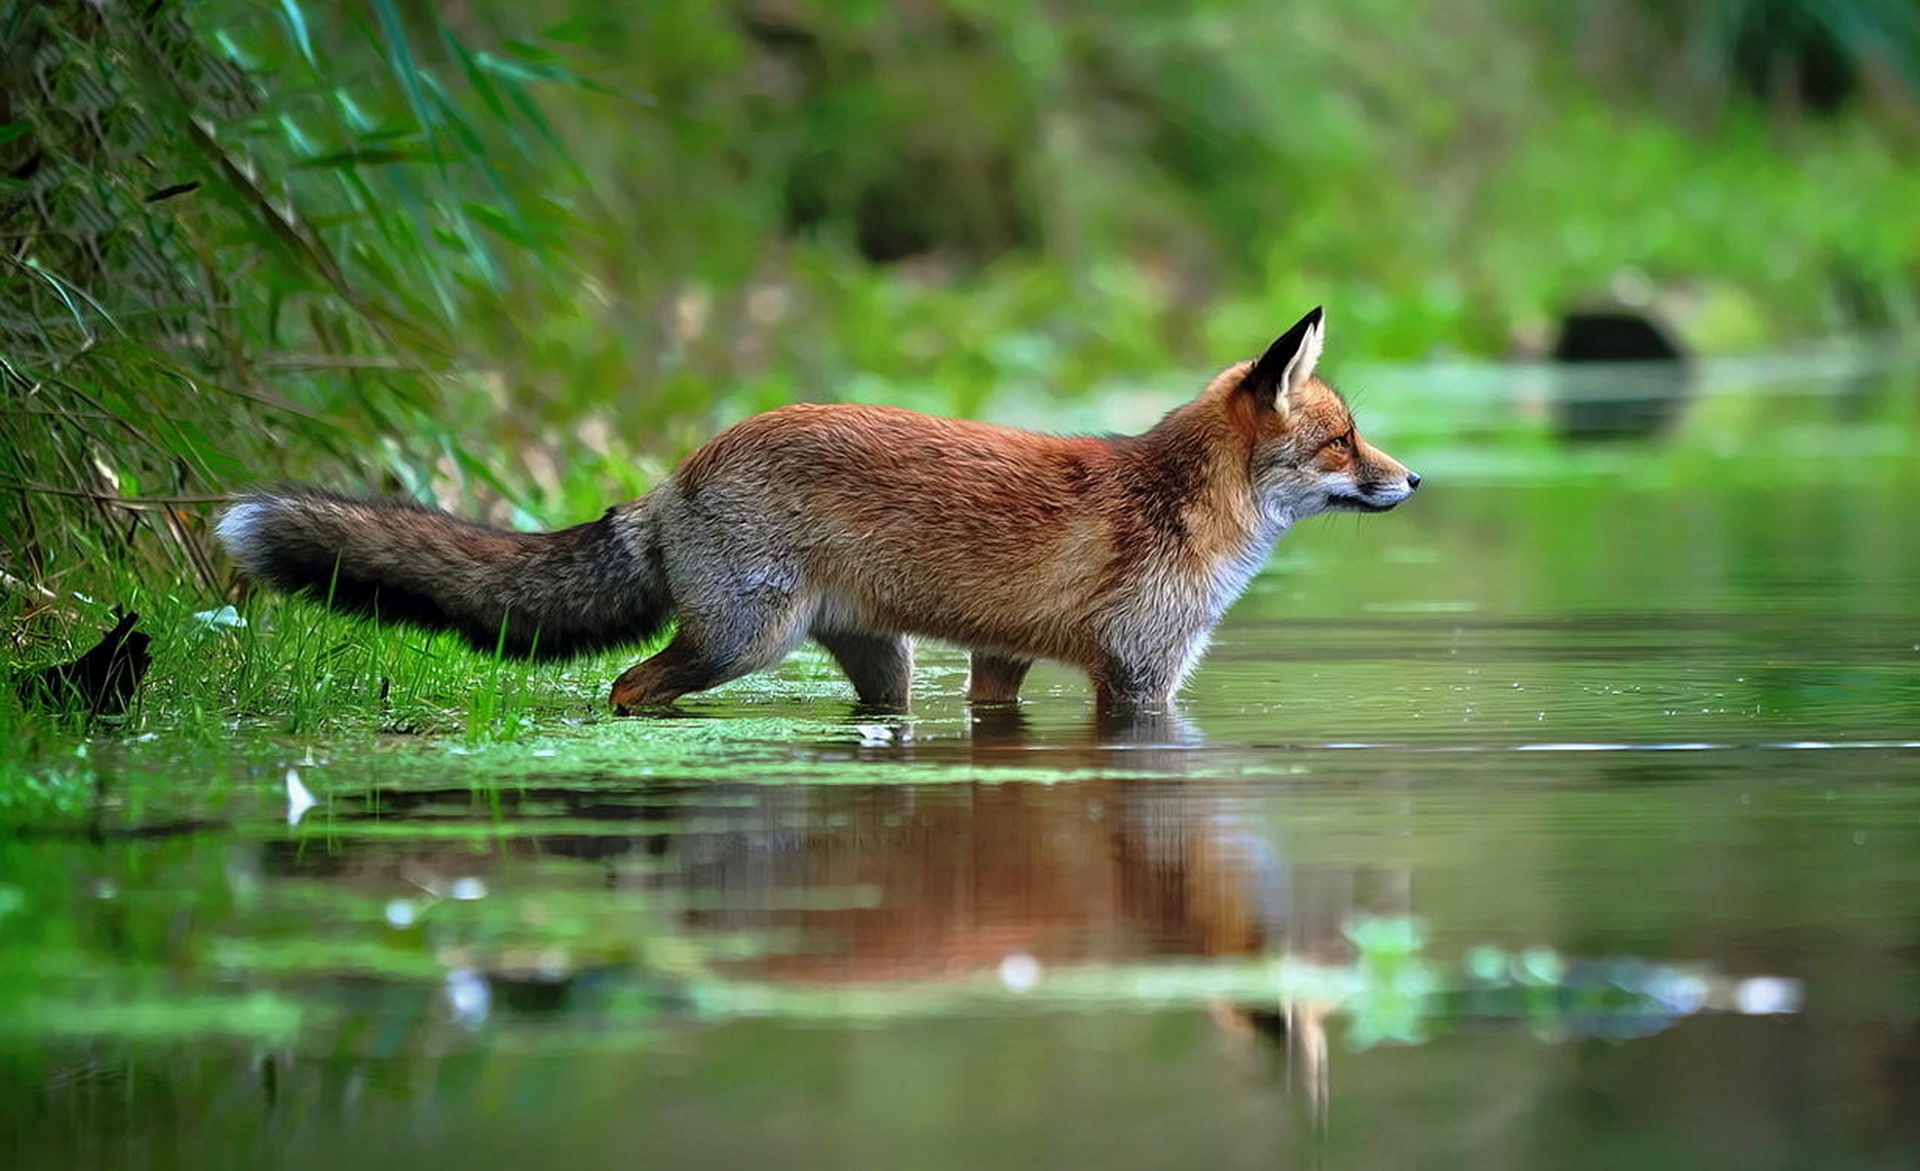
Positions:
(996, 678)
(1135, 685)
(1133, 673)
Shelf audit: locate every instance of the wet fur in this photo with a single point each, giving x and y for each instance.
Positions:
(861, 526)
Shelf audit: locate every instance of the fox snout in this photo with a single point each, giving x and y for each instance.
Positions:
(1388, 491)
(1384, 483)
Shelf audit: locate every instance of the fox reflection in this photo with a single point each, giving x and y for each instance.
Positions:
(870, 886)
(892, 883)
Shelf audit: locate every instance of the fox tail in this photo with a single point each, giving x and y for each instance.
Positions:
(538, 595)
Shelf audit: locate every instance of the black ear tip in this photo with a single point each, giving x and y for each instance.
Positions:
(1282, 351)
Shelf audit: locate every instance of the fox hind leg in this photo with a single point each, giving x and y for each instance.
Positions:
(879, 665)
(682, 666)
(711, 649)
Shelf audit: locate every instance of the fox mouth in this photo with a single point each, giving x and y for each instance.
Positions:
(1352, 502)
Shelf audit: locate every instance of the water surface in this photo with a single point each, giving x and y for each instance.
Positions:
(1566, 817)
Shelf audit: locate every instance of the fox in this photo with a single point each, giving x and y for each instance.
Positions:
(866, 527)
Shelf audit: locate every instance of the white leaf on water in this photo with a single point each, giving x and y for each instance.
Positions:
(299, 798)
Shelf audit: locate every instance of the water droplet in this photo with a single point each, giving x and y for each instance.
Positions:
(1767, 996)
(1020, 972)
(469, 997)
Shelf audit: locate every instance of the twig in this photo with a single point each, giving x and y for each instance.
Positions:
(330, 362)
(140, 502)
(26, 587)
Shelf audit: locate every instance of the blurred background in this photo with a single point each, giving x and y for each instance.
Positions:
(519, 258)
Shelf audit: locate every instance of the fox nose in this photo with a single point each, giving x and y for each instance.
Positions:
(1413, 481)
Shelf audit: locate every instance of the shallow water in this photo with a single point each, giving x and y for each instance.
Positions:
(1567, 817)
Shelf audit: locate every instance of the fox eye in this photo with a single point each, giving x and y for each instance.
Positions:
(1340, 442)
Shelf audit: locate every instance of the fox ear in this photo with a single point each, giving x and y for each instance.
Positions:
(1289, 361)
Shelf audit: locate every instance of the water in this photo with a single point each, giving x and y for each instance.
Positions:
(1565, 818)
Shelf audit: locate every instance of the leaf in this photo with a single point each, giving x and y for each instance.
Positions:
(224, 617)
(501, 224)
(297, 25)
(172, 190)
(365, 157)
(519, 71)
(406, 67)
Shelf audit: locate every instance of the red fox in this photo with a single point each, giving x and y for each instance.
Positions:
(863, 526)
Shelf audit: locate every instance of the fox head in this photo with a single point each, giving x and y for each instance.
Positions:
(1307, 456)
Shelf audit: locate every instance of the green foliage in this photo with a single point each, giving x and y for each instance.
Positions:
(1798, 56)
(1393, 983)
(232, 251)
(518, 259)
